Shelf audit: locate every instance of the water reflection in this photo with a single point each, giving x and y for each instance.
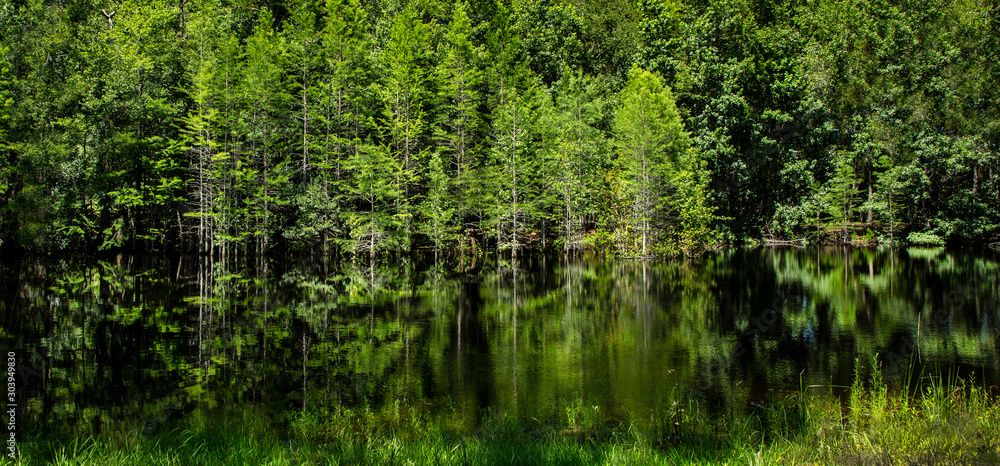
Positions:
(183, 339)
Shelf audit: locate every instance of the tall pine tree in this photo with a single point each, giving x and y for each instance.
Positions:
(650, 137)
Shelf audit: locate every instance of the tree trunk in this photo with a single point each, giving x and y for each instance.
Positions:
(305, 124)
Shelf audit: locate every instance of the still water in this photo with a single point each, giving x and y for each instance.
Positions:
(183, 338)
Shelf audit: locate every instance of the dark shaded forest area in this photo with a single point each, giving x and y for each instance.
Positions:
(637, 127)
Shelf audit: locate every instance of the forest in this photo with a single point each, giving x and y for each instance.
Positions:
(633, 127)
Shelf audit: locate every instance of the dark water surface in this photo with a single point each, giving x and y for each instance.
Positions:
(104, 339)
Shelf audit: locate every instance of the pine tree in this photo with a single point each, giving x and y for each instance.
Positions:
(376, 224)
(437, 210)
(404, 93)
(264, 102)
(201, 130)
(574, 157)
(516, 156)
(517, 102)
(303, 48)
(457, 128)
(342, 82)
(650, 138)
(333, 119)
(841, 191)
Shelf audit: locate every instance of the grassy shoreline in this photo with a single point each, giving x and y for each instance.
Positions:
(946, 421)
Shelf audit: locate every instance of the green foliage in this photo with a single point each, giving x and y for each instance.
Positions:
(225, 126)
(576, 154)
(839, 194)
(6, 103)
(377, 223)
(458, 126)
(924, 239)
(405, 89)
(438, 209)
(517, 154)
(319, 216)
(650, 138)
(690, 228)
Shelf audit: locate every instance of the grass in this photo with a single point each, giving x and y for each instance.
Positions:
(930, 420)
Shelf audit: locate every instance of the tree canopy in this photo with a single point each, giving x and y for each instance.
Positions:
(636, 127)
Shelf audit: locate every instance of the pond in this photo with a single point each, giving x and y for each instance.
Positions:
(181, 339)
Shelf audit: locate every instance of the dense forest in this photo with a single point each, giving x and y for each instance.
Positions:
(637, 127)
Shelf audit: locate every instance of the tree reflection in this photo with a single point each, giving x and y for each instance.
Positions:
(155, 341)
